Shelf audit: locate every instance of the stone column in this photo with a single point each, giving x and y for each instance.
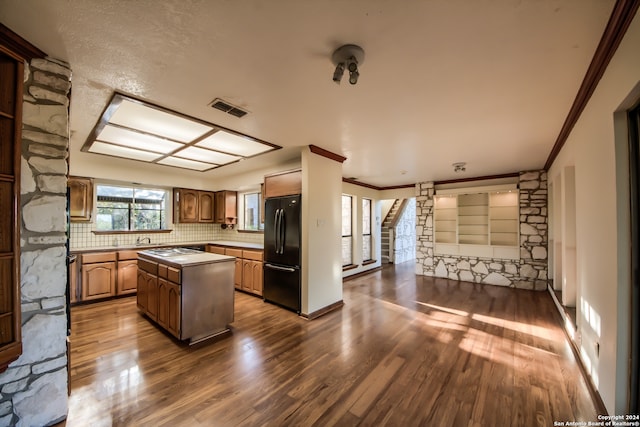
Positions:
(533, 230)
(34, 387)
(424, 229)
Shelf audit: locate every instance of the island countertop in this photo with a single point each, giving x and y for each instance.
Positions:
(184, 259)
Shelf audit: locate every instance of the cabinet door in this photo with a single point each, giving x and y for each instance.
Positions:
(257, 277)
(98, 280)
(80, 199)
(174, 309)
(237, 276)
(187, 202)
(143, 290)
(127, 277)
(225, 207)
(206, 203)
(247, 275)
(152, 296)
(163, 303)
(73, 282)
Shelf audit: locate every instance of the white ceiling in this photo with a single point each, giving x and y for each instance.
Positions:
(486, 82)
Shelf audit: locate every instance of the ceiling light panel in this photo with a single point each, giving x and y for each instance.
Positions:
(233, 144)
(195, 153)
(134, 129)
(119, 151)
(151, 120)
(143, 141)
(186, 164)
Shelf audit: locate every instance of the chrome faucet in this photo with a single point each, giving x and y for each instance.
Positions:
(140, 240)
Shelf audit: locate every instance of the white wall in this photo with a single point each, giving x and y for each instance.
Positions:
(321, 232)
(590, 148)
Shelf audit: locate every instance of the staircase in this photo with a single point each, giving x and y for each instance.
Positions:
(387, 232)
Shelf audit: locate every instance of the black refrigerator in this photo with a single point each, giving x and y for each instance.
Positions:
(282, 251)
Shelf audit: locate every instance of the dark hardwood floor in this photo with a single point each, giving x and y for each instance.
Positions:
(405, 350)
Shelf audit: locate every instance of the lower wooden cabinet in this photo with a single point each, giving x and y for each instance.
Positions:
(248, 275)
(98, 275)
(159, 294)
(103, 275)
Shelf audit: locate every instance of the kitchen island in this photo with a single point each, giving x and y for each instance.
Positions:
(187, 292)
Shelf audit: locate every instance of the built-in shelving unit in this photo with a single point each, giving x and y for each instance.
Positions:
(481, 223)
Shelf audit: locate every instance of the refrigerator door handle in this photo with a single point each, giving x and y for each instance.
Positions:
(276, 267)
(283, 229)
(276, 230)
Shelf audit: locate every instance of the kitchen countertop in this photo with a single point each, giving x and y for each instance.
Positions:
(187, 260)
(244, 245)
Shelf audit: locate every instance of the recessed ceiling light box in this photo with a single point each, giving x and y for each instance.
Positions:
(137, 130)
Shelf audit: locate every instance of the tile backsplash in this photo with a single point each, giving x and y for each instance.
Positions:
(82, 236)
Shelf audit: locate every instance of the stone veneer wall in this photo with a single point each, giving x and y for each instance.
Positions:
(33, 390)
(404, 245)
(529, 272)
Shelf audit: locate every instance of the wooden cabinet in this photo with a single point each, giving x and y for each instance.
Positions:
(11, 78)
(80, 198)
(169, 299)
(142, 292)
(127, 272)
(226, 211)
(205, 206)
(159, 294)
(283, 184)
(72, 271)
(252, 275)
(248, 275)
(98, 275)
(193, 206)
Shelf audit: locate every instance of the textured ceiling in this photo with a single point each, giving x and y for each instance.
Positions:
(486, 82)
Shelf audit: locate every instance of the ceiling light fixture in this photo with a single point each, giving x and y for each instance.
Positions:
(459, 167)
(348, 56)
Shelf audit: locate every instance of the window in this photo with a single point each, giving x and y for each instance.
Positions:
(347, 245)
(251, 211)
(366, 230)
(130, 208)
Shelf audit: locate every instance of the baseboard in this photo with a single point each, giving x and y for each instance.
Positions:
(565, 320)
(336, 305)
(362, 273)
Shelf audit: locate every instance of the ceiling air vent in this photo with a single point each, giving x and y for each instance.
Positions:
(221, 105)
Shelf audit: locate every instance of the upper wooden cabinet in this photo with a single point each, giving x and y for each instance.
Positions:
(283, 184)
(11, 77)
(193, 205)
(80, 198)
(226, 209)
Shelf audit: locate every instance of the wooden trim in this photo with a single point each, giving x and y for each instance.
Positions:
(360, 274)
(349, 266)
(373, 187)
(131, 231)
(331, 307)
(619, 21)
(368, 262)
(326, 153)
(593, 391)
(18, 45)
(479, 178)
